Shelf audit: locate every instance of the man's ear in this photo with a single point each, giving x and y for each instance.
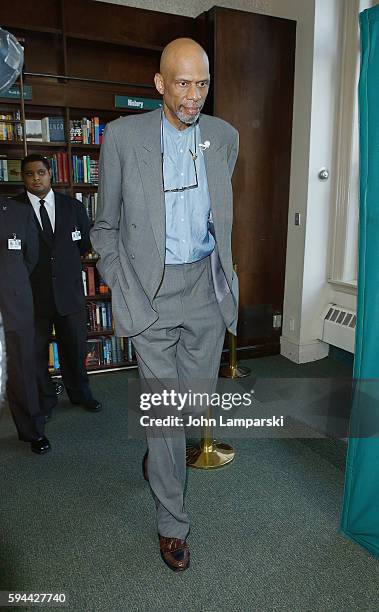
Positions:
(159, 83)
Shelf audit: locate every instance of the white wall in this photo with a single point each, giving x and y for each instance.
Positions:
(317, 68)
(299, 342)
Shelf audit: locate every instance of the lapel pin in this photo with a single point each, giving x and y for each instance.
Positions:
(204, 145)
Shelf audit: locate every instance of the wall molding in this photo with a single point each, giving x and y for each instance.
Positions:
(345, 217)
(303, 353)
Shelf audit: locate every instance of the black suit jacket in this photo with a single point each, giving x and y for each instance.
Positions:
(16, 300)
(57, 278)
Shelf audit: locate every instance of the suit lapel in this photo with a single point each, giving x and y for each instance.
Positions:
(150, 166)
(58, 213)
(213, 157)
(25, 198)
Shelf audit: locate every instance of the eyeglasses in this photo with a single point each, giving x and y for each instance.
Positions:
(194, 158)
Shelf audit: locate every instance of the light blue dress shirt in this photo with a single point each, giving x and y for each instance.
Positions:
(187, 235)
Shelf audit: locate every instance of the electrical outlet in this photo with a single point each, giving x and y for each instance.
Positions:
(297, 218)
(292, 324)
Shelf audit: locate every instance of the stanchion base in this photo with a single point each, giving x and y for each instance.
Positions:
(238, 372)
(207, 458)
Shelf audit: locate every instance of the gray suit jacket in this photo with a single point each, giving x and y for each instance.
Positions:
(129, 232)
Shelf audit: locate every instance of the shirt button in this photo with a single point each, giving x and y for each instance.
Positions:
(182, 197)
(182, 219)
(132, 256)
(183, 240)
(181, 151)
(182, 174)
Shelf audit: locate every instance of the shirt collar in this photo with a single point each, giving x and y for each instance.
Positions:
(170, 129)
(49, 198)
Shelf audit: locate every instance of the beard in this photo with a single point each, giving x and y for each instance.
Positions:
(187, 119)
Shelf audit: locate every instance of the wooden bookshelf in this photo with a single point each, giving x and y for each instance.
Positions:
(60, 46)
(79, 54)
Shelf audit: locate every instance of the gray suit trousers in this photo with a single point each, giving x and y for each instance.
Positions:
(181, 350)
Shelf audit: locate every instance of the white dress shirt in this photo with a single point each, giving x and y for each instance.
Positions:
(49, 205)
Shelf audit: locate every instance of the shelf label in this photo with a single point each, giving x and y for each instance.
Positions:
(136, 103)
(14, 92)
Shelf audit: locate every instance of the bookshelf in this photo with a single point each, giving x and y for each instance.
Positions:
(80, 54)
(64, 80)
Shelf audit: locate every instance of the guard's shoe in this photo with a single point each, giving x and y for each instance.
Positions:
(144, 466)
(40, 446)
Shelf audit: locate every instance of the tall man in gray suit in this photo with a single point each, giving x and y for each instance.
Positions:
(163, 232)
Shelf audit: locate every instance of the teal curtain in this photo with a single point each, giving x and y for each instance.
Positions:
(360, 517)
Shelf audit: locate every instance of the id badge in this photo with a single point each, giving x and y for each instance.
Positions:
(14, 244)
(76, 235)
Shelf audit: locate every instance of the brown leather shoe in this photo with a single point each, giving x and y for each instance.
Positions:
(144, 466)
(175, 553)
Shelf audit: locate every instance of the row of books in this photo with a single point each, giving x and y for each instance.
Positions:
(85, 169)
(86, 131)
(105, 350)
(60, 170)
(10, 170)
(109, 350)
(9, 130)
(53, 356)
(93, 284)
(90, 203)
(51, 129)
(47, 129)
(99, 316)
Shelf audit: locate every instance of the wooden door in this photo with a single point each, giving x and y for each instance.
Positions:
(253, 59)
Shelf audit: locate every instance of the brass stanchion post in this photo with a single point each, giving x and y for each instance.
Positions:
(208, 453)
(233, 370)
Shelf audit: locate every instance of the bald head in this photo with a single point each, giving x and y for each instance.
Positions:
(183, 81)
(179, 50)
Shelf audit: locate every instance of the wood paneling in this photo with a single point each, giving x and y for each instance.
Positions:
(42, 50)
(110, 62)
(121, 24)
(253, 74)
(44, 15)
(252, 59)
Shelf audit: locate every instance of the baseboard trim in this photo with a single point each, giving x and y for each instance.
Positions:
(253, 352)
(303, 353)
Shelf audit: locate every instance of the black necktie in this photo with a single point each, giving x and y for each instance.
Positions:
(46, 224)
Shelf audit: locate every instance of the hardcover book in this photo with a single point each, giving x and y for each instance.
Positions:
(33, 129)
(14, 169)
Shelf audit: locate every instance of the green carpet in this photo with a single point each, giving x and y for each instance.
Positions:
(264, 534)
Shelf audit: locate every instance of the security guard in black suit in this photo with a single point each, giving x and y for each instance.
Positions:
(18, 256)
(63, 228)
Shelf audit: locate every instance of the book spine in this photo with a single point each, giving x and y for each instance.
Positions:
(91, 280)
(45, 129)
(98, 320)
(130, 350)
(56, 356)
(104, 321)
(65, 167)
(51, 355)
(60, 167)
(84, 279)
